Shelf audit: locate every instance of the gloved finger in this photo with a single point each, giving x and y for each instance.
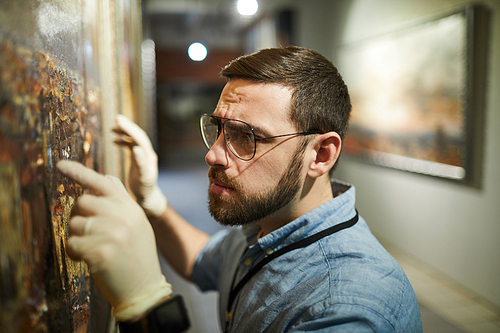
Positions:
(90, 248)
(134, 131)
(125, 142)
(133, 136)
(118, 130)
(123, 137)
(146, 166)
(140, 157)
(94, 226)
(86, 177)
(118, 183)
(78, 225)
(88, 205)
(73, 248)
(145, 158)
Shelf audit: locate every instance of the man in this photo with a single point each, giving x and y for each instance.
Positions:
(303, 259)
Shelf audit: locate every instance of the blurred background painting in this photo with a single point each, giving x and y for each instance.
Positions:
(409, 97)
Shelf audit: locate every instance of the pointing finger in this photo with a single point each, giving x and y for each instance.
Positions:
(86, 177)
(117, 182)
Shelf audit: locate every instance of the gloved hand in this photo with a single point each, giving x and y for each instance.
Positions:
(111, 233)
(143, 174)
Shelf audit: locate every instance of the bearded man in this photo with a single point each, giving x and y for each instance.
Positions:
(300, 258)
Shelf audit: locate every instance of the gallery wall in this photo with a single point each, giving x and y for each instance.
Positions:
(451, 227)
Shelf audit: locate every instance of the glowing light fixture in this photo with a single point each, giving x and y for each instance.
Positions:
(247, 7)
(197, 51)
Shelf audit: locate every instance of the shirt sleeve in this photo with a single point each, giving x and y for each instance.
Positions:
(340, 318)
(206, 269)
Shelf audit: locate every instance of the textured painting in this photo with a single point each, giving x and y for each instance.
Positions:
(409, 93)
(49, 110)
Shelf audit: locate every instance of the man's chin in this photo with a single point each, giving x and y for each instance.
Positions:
(223, 211)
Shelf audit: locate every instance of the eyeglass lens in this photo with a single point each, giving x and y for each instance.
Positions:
(238, 135)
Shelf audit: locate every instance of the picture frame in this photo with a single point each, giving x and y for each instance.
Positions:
(418, 96)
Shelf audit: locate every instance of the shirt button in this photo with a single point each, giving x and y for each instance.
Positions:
(248, 261)
(269, 251)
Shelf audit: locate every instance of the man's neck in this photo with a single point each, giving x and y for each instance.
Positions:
(314, 193)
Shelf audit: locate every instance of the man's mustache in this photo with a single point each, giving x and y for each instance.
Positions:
(220, 175)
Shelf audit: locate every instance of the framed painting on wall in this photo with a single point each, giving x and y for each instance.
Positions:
(59, 94)
(50, 109)
(417, 96)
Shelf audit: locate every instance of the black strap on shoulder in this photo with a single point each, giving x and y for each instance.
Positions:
(302, 243)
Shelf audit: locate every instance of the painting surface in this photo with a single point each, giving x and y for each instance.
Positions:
(407, 93)
(49, 110)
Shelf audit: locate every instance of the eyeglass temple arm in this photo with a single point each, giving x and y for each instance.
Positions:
(299, 133)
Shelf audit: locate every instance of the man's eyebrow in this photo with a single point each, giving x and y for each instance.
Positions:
(260, 131)
(256, 129)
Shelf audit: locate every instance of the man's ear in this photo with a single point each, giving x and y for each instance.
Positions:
(326, 151)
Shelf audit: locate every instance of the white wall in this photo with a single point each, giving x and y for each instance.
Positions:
(451, 227)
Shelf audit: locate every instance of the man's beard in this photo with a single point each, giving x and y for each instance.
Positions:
(248, 208)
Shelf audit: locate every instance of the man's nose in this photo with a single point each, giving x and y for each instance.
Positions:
(218, 154)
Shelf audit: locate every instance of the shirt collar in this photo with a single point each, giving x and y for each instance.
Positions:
(338, 210)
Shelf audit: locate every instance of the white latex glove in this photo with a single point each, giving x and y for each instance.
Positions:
(143, 174)
(110, 232)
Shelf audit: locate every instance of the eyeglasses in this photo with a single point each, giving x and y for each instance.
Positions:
(239, 136)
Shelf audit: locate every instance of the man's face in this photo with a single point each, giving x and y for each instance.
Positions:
(244, 191)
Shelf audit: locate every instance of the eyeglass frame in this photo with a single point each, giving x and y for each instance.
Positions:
(220, 125)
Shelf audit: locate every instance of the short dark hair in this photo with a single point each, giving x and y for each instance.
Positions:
(320, 99)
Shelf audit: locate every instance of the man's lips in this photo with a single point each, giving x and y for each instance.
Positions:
(219, 187)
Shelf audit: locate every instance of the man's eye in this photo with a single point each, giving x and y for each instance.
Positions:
(242, 137)
(248, 136)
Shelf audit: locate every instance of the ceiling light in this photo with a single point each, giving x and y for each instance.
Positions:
(247, 7)
(197, 51)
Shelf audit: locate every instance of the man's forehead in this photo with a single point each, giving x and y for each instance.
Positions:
(240, 88)
(251, 101)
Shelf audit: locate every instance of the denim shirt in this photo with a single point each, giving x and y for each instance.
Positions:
(345, 282)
